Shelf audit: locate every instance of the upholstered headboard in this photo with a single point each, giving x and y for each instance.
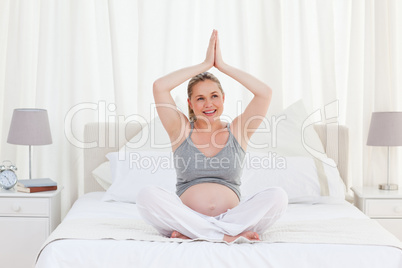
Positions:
(109, 137)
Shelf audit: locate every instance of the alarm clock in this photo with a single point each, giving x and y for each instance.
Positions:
(8, 178)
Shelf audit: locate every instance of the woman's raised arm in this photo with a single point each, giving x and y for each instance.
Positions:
(172, 118)
(245, 124)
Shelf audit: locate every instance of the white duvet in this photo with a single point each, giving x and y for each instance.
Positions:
(131, 253)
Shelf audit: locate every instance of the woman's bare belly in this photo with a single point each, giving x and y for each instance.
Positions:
(211, 199)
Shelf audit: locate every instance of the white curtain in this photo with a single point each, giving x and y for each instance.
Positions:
(89, 60)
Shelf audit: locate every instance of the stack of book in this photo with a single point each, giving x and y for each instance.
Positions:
(36, 185)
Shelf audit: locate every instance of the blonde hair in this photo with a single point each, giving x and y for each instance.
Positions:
(195, 80)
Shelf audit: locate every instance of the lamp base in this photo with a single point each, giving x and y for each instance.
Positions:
(388, 187)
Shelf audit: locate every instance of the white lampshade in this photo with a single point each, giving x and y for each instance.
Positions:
(385, 129)
(29, 127)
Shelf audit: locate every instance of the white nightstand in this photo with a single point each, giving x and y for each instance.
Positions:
(26, 220)
(383, 206)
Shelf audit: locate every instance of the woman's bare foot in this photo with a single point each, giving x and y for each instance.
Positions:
(247, 234)
(176, 234)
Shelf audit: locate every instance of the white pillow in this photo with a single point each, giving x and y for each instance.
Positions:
(297, 175)
(284, 133)
(103, 175)
(138, 170)
(152, 137)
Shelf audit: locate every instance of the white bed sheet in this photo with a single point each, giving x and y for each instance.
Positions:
(129, 253)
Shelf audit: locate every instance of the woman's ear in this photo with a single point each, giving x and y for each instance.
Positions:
(189, 103)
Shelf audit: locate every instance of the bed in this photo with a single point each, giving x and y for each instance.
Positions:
(320, 229)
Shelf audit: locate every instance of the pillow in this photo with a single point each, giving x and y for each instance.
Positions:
(103, 175)
(304, 179)
(284, 133)
(138, 170)
(152, 137)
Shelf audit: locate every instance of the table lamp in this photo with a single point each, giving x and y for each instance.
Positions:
(29, 127)
(386, 130)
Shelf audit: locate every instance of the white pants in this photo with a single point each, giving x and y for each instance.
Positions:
(166, 212)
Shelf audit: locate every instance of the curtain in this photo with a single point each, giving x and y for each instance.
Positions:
(94, 60)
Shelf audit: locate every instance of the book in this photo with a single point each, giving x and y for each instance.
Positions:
(35, 189)
(36, 183)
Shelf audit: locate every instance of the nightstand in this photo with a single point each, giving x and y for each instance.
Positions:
(26, 220)
(383, 206)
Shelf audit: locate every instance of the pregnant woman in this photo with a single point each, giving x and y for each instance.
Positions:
(208, 158)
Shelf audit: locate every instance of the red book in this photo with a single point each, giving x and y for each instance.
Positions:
(36, 189)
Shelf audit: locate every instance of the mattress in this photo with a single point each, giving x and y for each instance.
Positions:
(131, 253)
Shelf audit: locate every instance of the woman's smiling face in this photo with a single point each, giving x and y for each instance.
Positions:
(207, 100)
